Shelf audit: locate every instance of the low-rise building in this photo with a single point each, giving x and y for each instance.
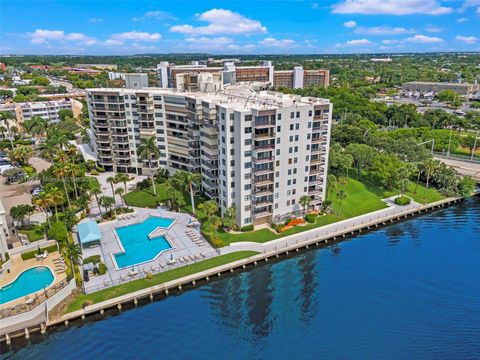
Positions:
(45, 109)
(463, 89)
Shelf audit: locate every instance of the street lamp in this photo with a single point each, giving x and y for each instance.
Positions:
(426, 142)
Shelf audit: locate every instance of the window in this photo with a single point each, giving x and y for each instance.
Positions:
(156, 97)
(289, 182)
(222, 115)
(248, 207)
(291, 127)
(278, 152)
(298, 114)
(289, 171)
(290, 150)
(309, 112)
(279, 116)
(293, 201)
(278, 140)
(248, 117)
(309, 124)
(289, 192)
(247, 197)
(232, 184)
(297, 126)
(231, 116)
(290, 161)
(248, 187)
(296, 148)
(247, 220)
(223, 127)
(248, 142)
(231, 128)
(288, 202)
(279, 128)
(296, 137)
(292, 115)
(306, 168)
(248, 176)
(277, 185)
(290, 138)
(247, 153)
(223, 139)
(248, 130)
(248, 165)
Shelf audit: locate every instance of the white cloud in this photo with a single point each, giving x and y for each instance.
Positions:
(471, 3)
(433, 29)
(356, 42)
(41, 36)
(156, 15)
(466, 39)
(391, 7)
(383, 30)
(95, 20)
(113, 42)
(390, 41)
(350, 24)
(423, 39)
(221, 21)
(462, 20)
(272, 42)
(137, 36)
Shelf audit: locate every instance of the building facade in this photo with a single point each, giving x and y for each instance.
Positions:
(260, 151)
(297, 78)
(45, 109)
(463, 89)
(3, 232)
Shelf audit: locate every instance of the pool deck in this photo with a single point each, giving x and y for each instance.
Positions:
(183, 246)
(19, 265)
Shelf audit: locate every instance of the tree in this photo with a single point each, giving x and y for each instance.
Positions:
(403, 186)
(210, 208)
(447, 95)
(20, 154)
(94, 189)
(18, 213)
(74, 171)
(65, 113)
(119, 191)
(6, 117)
(147, 149)
(44, 200)
(215, 222)
(304, 202)
(470, 142)
(230, 217)
(341, 195)
(122, 178)
(107, 202)
(36, 125)
(60, 170)
(466, 187)
(73, 252)
(57, 197)
(112, 180)
(429, 167)
(187, 180)
(362, 156)
(331, 184)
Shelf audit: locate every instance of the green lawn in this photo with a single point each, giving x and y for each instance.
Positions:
(362, 198)
(33, 234)
(161, 278)
(146, 198)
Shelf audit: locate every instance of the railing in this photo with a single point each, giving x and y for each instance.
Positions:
(467, 158)
(31, 303)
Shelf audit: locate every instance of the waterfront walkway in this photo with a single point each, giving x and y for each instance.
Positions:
(324, 231)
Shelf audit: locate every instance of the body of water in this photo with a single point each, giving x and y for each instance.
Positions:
(407, 291)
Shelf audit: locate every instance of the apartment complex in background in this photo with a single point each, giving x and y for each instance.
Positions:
(45, 109)
(463, 89)
(168, 74)
(255, 149)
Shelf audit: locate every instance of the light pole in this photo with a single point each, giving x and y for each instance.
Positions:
(426, 142)
(475, 145)
(449, 142)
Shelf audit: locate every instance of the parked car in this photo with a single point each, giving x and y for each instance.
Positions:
(5, 162)
(2, 154)
(36, 190)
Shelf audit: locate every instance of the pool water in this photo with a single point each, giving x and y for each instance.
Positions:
(28, 282)
(139, 248)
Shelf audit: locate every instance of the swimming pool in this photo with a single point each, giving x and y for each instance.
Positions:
(28, 282)
(138, 247)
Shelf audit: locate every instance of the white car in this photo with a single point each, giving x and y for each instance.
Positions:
(4, 168)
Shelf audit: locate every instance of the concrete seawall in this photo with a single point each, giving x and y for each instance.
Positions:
(157, 292)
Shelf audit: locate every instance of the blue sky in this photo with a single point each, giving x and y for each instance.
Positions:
(238, 27)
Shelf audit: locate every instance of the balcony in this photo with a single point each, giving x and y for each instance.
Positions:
(147, 131)
(262, 160)
(264, 124)
(263, 191)
(208, 184)
(263, 182)
(267, 135)
(209, 165)
(209, 174)
(119, 140)
(262, 214)
(317, 171)
(263, 171)
(265, 147)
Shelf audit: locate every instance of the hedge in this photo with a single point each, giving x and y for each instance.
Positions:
(310, 218)
(402, 200)
(246, 228)
(58, 231)
(31, 254)
(94, 259)
(102, 269)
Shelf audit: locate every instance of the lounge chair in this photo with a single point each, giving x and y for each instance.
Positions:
(153, 268)
(192, 258)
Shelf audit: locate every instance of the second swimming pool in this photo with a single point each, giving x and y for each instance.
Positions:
(139, 248)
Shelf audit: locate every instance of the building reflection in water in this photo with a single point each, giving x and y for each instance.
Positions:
(252, 304)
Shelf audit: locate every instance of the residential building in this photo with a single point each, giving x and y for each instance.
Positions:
(255, 149)
(136, 80)
(231, 74)
(46, 109)
(463, 89)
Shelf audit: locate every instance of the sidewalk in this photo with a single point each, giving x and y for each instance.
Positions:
(323, 231)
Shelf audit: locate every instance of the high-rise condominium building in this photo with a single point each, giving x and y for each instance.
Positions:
(260, 151)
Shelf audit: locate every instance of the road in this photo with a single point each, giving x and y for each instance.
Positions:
(463, 167)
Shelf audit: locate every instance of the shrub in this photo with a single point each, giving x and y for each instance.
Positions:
(310, 218)
(31, 254)
(100, 169)
(144, 184)
(214, 240)
(94, 259)
(58, 231)
(102, 269)
(246, 228)
(94, 172)
(402, 200)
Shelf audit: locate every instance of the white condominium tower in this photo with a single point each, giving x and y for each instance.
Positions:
(258, 150)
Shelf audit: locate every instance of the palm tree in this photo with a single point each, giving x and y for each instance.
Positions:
(29, 210)
(341, 195)
(111, 180)
(119, 191)
(60, 170)
(304, 201)
(2, 131)
(6, 117)
(44, 200)
(94, 189)
(122, 178)
(73, 252)
(429, 167)
(148, 148)
(230, 217)
(107, 202)
(73, 171)
(331, 184)
(36, 125)
(57, 198)
(187, 180)
(18, 214)
(20, 154)
(210, 208)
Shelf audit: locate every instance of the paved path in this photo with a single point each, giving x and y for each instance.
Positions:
(322, 231)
